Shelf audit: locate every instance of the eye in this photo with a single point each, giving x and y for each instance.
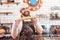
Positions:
(33, 4)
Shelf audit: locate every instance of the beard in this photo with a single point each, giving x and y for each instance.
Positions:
(25, 15)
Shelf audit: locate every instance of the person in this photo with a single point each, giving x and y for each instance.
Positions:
(51, 17)
(22, 11)
(53, 29)
(56, 16)
(58, 29)
(26, 27)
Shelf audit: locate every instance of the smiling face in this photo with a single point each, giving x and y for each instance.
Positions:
(26, 13)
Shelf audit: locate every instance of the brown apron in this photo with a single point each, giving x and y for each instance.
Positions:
(28, 31)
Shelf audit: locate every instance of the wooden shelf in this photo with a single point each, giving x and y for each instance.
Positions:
(5, 12)
(6, 23)
(9, 2)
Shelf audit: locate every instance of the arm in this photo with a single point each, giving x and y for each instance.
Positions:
(14, 31)
(38, 27)
(15, 26)
(25, 18)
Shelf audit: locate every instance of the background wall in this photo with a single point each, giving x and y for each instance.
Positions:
(45, 9)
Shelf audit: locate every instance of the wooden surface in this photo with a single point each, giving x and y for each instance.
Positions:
(9, 2)
(38, 38)
(5, 12)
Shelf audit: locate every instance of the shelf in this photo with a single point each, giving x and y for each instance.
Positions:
(5, 12)
(9, 2)
(6, 23)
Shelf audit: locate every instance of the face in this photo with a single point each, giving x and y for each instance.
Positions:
(22, 11)
(26, 13)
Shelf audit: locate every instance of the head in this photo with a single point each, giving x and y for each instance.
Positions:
(26, 13)
(22, 10)
(55, 27)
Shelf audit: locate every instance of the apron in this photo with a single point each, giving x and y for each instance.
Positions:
(28, 31)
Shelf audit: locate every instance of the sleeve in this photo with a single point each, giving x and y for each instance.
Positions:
(13, 30)
(38, 27)
(16, 28)
(20, 27)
